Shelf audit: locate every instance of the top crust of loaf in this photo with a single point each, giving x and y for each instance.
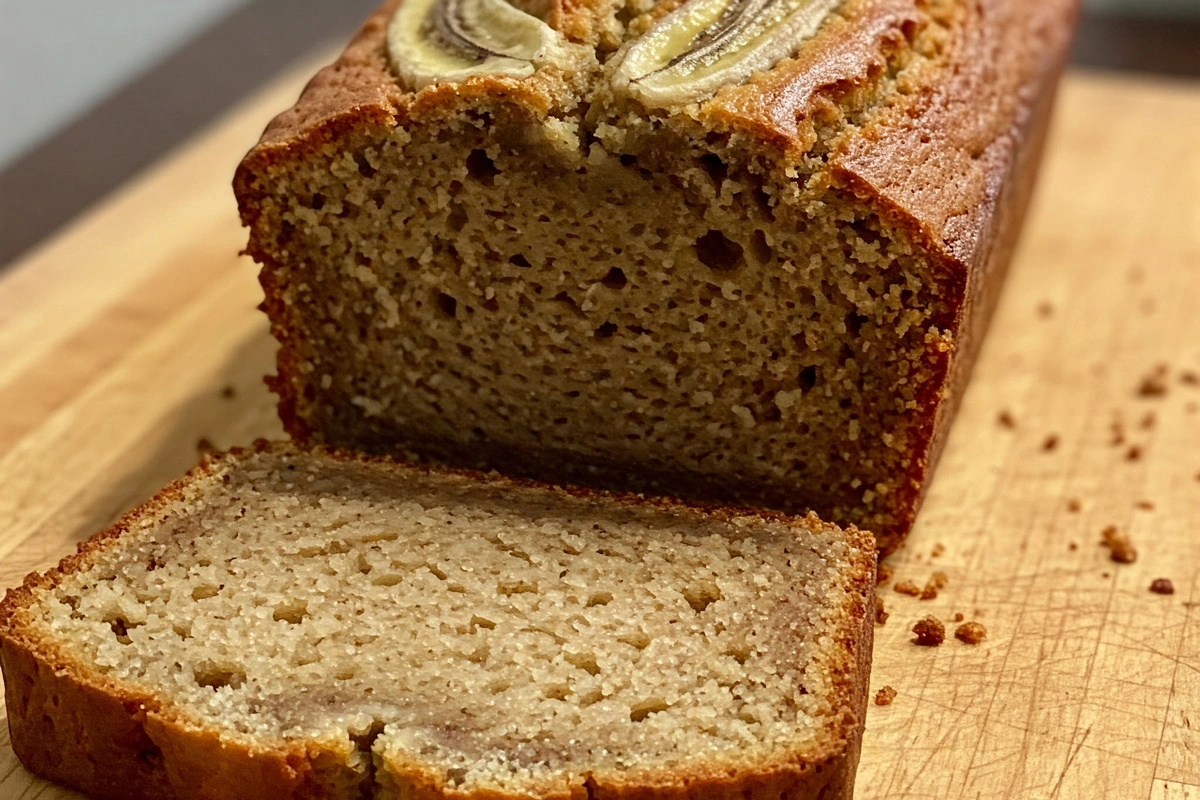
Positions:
(127, 744)
(936, 156)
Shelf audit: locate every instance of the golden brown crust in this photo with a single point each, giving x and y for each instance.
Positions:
(75, 726)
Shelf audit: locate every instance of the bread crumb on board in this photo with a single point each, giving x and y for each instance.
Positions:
(937, 581)
(1162, 586)
(885, 696)
(1051, 443)
(930, 632)
(970, 633)
(1117, 427)
(907, 587)
(1120, 547)
(1144, 505)
(938, 550)
(1154, 384)
(1189, 378)
(1006, 420)
(881, 614)
(958, 617)
(1133, 454)
(1074, 506)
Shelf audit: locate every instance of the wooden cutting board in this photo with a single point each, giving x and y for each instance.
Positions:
(133, 337)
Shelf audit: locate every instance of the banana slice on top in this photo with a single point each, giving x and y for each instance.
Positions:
(705, 44)
(434, 41)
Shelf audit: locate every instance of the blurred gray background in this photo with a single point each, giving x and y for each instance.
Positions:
(60, 57)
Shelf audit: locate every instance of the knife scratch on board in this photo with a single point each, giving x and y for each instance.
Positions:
(1070, 761)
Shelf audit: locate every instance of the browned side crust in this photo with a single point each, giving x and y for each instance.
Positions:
(113, 741)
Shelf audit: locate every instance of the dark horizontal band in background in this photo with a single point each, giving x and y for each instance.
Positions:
(83, 162)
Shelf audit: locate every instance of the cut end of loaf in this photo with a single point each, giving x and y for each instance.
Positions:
(638, 300)
(442, 634)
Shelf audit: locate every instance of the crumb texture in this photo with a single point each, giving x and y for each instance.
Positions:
(510, 640)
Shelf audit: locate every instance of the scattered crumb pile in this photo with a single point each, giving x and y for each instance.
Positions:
(310, 599)
(936, 582)
(885, 696)
(1119, 545)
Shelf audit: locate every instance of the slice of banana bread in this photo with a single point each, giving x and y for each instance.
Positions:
(755, 270)
(286, 624)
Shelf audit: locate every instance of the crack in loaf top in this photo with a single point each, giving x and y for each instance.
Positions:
(917, 102)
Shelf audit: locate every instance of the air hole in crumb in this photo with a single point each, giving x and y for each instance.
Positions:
(482, 622)
(558, 692)
(599, 599)
(509, 588)
(519, 261)
(318, 202)
(456, 776)
(447, 304)
(120, 628)
(637, 639)
(718, 252)
(584, 661)
(715, 167)
(759, 249)
(740, 653)
(213, 676)
(701, 596)
(591, 698)
(606, 330)
(345, 675)
(481, 167)
(292, 614)
(640, 711)
(204, 592)
(387, 580)
(615, 279)
(364, 167)
(808, 378)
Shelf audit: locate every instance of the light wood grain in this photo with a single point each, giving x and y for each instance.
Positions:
(120, 341)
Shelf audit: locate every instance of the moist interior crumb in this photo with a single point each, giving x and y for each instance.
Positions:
(271, 602)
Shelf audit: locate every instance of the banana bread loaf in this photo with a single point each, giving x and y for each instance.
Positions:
(284, 624)
(723, 249)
